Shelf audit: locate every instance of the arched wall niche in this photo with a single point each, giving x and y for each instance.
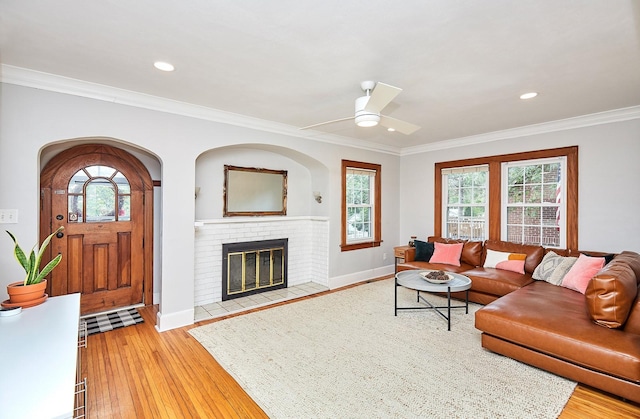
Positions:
(306, 176)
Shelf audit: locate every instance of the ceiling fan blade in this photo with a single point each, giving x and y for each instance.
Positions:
(381, 95)
(328, 122)
(400, 126)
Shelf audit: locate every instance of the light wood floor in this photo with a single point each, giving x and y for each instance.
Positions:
(136, 372)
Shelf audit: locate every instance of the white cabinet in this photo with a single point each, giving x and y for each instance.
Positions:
(38, 360)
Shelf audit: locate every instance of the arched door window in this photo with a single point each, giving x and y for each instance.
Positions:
(99, 194)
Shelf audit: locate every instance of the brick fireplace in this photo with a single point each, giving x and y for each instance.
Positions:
(307, 254)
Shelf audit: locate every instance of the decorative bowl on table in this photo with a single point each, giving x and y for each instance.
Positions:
(436, 277)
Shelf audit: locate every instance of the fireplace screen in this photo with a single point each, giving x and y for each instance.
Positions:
(252, 267)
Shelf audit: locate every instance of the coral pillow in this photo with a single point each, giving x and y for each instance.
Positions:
(581, 272)
(447, 253)
(513, 262)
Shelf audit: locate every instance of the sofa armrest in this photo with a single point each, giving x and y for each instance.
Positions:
(410, 254)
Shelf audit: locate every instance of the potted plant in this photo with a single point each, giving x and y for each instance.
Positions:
(30, 291)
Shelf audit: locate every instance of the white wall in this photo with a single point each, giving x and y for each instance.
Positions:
(608, 181)
(32, 119)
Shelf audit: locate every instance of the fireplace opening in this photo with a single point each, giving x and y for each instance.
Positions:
(253, 267)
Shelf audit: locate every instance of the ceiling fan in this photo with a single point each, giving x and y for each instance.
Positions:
(368, 108)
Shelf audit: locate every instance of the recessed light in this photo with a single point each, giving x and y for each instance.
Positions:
(391, 129)
(164, 66)
(529, 95)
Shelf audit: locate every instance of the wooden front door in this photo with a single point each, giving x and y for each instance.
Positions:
(103, 197)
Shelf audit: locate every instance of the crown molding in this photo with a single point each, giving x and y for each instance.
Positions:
(606, 117)
(51, 82)
(54, 83)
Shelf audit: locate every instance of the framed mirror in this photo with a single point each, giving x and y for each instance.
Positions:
(254, 191)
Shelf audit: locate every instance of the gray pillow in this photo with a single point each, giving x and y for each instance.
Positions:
(553, 268)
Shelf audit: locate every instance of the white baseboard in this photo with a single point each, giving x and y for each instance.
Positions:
(170, 321)
(357, 277)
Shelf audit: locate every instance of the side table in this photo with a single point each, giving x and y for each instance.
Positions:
(398, 252)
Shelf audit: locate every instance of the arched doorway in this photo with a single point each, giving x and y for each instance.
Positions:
(103, 196)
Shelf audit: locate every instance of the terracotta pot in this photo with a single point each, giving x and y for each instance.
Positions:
(24, 294)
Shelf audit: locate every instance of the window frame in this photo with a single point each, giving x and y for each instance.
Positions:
(495, 189)
(561, 204)
(376, 239)
(445, 201)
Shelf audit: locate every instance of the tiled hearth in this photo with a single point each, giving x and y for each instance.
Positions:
(223, 308)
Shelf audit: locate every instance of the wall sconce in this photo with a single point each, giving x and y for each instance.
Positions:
(318, 197)
(197, 191)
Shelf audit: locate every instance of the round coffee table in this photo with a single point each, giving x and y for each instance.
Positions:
(413, 280)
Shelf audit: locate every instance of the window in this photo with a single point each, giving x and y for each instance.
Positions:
(533, 205)
(532, 197)
(361, 199)
(99, 194)
(466, 206)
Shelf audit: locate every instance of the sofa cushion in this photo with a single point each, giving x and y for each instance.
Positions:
(553, 268)
(554, 321)
(581, 272)
(424, 250)
(611, 293)
(447, 253)
(513, 262)
(496, 281)
(403, 266)
(471, 251)
(534, 253)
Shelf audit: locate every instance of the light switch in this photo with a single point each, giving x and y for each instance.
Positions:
(8, 216)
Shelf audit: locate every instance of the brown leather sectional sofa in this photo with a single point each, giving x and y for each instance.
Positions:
(593, 338)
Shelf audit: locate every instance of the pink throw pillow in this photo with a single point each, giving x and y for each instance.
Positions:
(447, 253)
(581, 272)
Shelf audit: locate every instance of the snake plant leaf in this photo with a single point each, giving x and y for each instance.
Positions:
(31, 265)
(50, 266)
(19, 254)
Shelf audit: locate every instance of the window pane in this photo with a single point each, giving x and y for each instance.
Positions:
(516, 176)
(77, 182)
(75, 208)
(124, 208)
(515, 215)
(122, 183)
(532, 194)
(101, 201)
(101, 171)
(515, 194)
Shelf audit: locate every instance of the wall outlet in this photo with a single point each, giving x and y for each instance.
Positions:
(8, 216)
(384, 256)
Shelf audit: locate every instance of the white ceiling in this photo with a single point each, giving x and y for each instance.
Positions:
(462, 64)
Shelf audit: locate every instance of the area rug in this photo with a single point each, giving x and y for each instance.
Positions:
(115, 320)
(345, 355)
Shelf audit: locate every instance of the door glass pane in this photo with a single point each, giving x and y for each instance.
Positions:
(124, 208)
(102, 171)
(77, 182)
(122, 183)
(75, 208)
(101, 201)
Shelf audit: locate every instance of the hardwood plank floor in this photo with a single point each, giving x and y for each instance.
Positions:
(136, 372)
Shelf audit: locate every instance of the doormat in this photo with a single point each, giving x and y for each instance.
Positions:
(110, 321)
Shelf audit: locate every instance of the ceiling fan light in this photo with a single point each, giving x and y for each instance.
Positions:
(367, 120)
